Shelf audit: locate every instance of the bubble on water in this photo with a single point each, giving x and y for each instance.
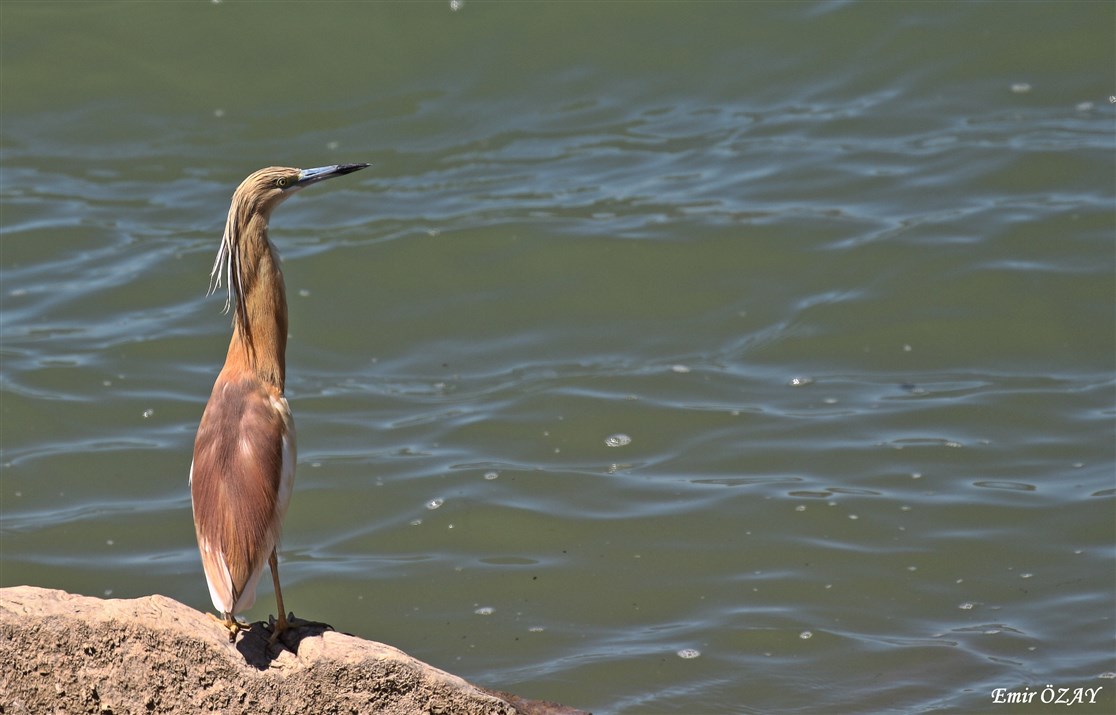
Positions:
(1026, 575)
(617, 440)
(304, 292)
(689, 653)
(148, 413)
(800, 381)
(967, 606)
(484, 611)
(800, 507)
(456, 5)
(1107, 676)
(1020, 88)
(1084, 106)
(435, 503)
(805, 635)
(416, 522)
(681, 369)
(536, 629)
(491, 475)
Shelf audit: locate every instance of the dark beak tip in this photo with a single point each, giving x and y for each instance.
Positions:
(313, 176)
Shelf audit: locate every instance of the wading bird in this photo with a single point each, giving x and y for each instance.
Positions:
(244, 455)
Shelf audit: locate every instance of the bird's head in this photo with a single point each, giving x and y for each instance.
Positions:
(251, 207)
(265, 189)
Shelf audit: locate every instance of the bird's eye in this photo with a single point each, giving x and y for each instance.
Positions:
(282, 182)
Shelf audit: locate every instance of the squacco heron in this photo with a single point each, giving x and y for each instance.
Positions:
(244, 455)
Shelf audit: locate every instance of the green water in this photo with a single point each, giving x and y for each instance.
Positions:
(843, 274)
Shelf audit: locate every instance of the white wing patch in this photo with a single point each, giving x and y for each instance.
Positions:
(220, 592)
(287, 473)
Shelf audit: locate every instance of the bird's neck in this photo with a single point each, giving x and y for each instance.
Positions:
(259, 339)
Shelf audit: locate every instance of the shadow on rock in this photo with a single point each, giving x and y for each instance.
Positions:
(260, 654)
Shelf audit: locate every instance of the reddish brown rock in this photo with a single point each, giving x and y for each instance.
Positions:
(74, 654)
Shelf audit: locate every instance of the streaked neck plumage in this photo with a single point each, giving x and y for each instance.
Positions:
(256, 292)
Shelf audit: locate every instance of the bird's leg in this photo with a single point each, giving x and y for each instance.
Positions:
(281, 623)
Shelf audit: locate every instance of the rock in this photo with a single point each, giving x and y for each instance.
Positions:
(74, 654)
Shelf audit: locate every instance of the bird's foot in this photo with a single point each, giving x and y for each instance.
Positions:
(290, 622)
(277, 627)
(234, 626)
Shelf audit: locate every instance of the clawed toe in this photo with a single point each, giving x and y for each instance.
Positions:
(296, 622)
(231, 624)
(291, 622)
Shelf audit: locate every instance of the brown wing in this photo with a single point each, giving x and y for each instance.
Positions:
(235, 483)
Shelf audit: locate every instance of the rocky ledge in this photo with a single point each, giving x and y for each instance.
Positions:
(74, 654)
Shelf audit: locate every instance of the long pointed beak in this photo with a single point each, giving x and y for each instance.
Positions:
(313, 176)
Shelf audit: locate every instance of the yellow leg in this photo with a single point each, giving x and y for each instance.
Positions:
(281, 623)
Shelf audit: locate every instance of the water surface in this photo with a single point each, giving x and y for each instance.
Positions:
(671, 357)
